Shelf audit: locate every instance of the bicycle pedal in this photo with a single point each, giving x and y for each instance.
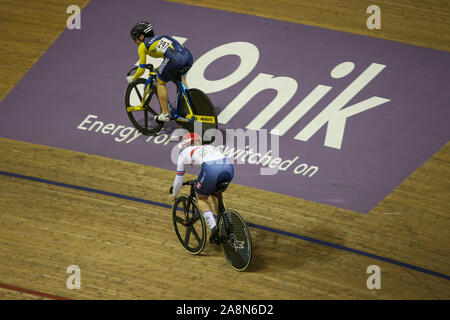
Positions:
(214, 239)
(166, 119)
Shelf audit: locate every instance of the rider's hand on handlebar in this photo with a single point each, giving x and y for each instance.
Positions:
(171, 196)
(130, 79)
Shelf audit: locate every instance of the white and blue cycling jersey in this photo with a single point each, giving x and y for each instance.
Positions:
(215, 168)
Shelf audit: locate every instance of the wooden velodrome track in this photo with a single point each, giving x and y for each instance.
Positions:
(128, 250)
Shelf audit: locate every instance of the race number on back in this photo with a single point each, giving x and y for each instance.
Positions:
(163, 44)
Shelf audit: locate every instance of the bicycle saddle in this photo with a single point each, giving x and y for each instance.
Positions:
(222, 186)
(180, 73)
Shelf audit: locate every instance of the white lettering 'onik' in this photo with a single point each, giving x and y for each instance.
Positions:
(285, 88)
(336, 117)
(333, 114)
(247, 52)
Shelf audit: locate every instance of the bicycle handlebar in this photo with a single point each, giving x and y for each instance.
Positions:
(147, 66)
(190, 182)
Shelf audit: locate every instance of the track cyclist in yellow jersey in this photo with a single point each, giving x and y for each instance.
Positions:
(177, 61)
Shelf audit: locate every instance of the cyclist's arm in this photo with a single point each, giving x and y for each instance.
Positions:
(178, 182)
(142, 61)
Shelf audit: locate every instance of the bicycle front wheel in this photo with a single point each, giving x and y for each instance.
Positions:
(142, 118)
(235, 240)
(189, 224)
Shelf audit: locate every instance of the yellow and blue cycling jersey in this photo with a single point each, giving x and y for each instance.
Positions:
(177, 59)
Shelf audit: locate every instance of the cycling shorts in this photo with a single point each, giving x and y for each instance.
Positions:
(212, 173)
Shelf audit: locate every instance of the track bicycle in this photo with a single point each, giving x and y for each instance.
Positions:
(191, 105)
(190, 227)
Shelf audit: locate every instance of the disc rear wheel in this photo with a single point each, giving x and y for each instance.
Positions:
(235, 240)
(201, 106)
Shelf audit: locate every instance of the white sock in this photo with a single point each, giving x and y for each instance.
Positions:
(209, 219)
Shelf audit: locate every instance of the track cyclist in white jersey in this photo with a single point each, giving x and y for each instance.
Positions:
(215, 168)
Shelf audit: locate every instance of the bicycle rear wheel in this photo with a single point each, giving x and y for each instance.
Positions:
(189, 224)
(142, 120)
(235, 240)
(201, 106)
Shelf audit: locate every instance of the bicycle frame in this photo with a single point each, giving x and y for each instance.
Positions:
(181, 94)
(221, 208)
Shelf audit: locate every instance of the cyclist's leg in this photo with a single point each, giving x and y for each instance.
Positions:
(163, 96)
(216, 202)
(203, 203)
(187, 65)
(204, 186)
(166, 72)
(212, 174)
(205, 210)
(226, 175)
